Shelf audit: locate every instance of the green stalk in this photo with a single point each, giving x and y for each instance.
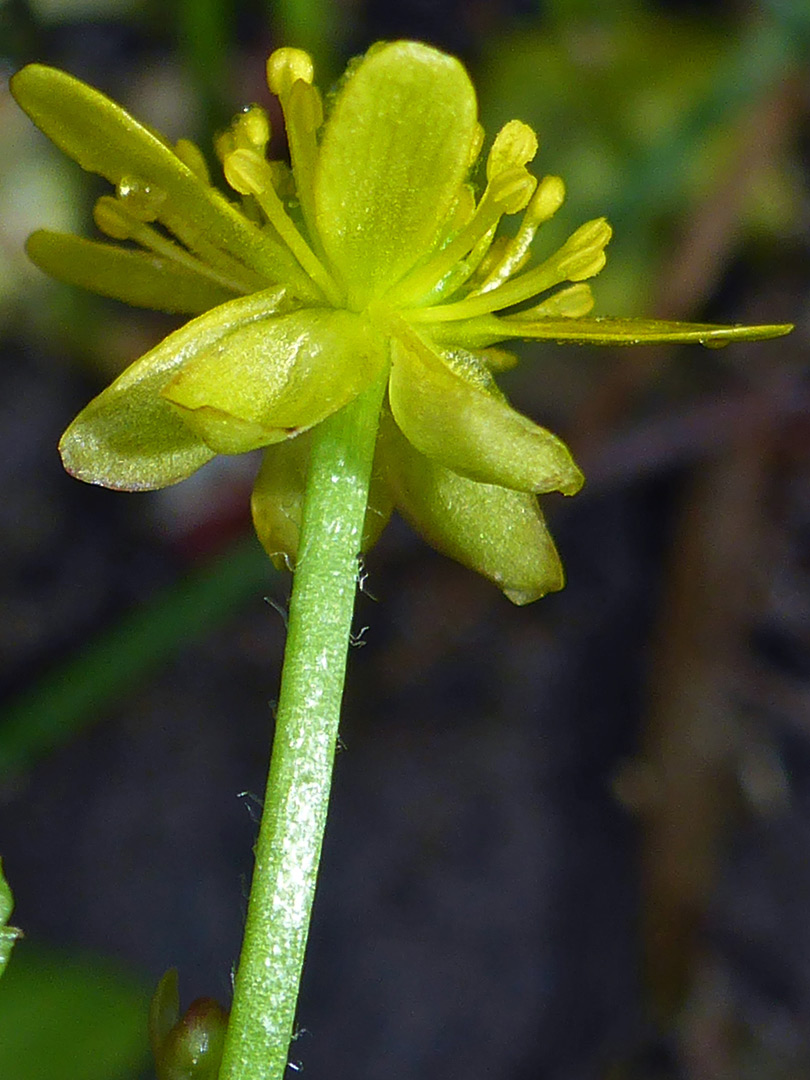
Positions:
(291, 831)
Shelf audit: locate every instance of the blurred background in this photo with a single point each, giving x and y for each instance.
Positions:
(568, 841)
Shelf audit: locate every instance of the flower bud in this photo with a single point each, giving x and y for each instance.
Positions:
(189, 1048)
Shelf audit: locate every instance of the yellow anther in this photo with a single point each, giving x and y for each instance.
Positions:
(477, 142)
(224, 144)
(286, 66)
(515, 144)
(512, 188)
(247, 172)
(113, 220)
(192, 157)
(571, 303)
(546, 201)
(251, 129)
(583, 253)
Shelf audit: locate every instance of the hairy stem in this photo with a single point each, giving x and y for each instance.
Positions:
(291, 831)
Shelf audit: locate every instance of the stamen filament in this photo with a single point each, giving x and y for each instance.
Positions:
(250, 174)
(545, 202)
(303, 115)
(501, 193)
(113, 220)
(580, 257)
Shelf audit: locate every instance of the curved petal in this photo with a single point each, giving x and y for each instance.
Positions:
(105, 139)
(470, 430)
(136, 277)
(278, 499)
(128, 437)
(632, 331)
(271, 380)
(497, 532)
(395, 152)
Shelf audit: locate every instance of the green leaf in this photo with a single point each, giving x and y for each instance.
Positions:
(471, 431)
(69, 1017)
(278, 499)
(395, 151)
(8, 934)
(614, 331)
(103, 138)
(495, 531)
(129, 437)
(136, 277)
(271, 380)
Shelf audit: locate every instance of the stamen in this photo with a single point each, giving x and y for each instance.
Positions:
(193, 158)
(546, 201)
(251, 129)
(285, 66)
(505, 194)
(580, 257)
(290, 73)
(116, 221)
(571, 303)
(250, 174)
(477, 142)
(303, 116)
(515, 144)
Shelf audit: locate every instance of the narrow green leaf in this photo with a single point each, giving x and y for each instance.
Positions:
(8, 934)
(136, 277)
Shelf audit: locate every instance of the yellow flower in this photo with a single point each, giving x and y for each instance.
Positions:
(376, 252)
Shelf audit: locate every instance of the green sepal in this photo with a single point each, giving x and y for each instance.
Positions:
(495, 531)
(137, 277)
(278, 498)
(272, 380)
(395, 151)
(104, 139)
(471, 430)
(616, 331)
(129, 437)
(164, 1010)
(9, 935)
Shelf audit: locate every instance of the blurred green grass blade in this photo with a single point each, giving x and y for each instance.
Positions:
(76, 692)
